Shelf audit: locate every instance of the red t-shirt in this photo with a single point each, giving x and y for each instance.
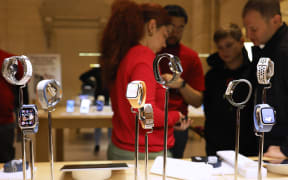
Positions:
(192, 74)
(6, 95)
(138, 65)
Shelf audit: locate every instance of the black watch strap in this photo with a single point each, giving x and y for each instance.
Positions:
(183, 84)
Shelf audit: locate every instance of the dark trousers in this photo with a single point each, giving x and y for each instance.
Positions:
(181, 138)
(7, 151)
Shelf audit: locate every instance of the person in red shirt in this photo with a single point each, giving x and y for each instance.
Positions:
(134, 33)
(6, 115)
(188, 89)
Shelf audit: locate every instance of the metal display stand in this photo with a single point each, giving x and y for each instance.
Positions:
(136, 145)
(10, 70)
(147, 123)
(136, 95)
(229, 96)
(49, 94)
(176, 69)
(265, 70)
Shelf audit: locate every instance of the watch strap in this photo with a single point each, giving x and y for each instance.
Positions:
(49, 93)
(183, 84)
(10, 69)
(230, 90)
(265, 70)
(174, 66)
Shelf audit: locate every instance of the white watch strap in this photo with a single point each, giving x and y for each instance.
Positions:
(265, 70)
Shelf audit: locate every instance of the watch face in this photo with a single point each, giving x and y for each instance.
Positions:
(267, 115)
(132, 90)
(27, 117)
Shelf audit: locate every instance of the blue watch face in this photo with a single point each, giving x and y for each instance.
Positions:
(268, 115)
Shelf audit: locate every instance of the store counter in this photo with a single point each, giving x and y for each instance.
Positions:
(43, 172)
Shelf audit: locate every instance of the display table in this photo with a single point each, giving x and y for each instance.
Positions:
(94, 119)
(62, 119)
(43, 172)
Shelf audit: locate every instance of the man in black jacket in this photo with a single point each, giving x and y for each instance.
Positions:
(264, 27)
(229, 63)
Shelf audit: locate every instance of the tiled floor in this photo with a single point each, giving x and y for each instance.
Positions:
(79, 145)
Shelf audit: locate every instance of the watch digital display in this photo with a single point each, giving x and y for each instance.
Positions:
(267, 115)
(27, 117)
(132, 90)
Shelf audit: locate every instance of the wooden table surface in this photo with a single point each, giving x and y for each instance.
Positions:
(43, 172)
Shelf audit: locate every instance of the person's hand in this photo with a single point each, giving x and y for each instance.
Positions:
(274, 152)
(183, 123)
(175, 84)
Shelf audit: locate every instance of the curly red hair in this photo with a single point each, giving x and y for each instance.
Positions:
(124, 29)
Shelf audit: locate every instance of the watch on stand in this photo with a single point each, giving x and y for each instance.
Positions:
(264, 118)
(229, 96)
(265, 70)
(28, 119)
(176, 69)
(136, 95)
(10, 69)
(49, 94)
(264, 114)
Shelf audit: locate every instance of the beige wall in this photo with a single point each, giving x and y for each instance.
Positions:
(22, 29)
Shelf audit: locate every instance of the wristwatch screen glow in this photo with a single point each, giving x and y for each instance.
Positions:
(136, 94)
(267, 115)
(264, 118)
(132, 90)
(27, 117)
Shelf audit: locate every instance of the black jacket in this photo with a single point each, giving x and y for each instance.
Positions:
(277, 50)
(221, 115)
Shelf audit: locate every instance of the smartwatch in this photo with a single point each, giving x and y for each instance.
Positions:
(10, 68)
(49, 93)
(265, 70)
(136, 94)
(264, 118)
(174, 66)
(230, 89)
(146, 117)
(28, 119)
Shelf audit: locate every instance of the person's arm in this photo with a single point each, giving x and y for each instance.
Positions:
(189, 94)
(191, 86)
(275, 152)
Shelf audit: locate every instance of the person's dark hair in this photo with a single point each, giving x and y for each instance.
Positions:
(232, 30)
(124, 29)
(267, 8)
(177, 11)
